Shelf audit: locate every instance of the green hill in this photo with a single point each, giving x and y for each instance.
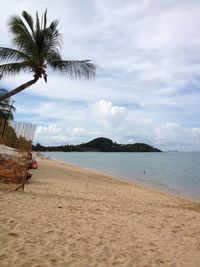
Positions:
(99, 144)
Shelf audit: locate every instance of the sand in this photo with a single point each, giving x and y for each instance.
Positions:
(70, 216)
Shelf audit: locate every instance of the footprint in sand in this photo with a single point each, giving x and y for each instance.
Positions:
(13, 234)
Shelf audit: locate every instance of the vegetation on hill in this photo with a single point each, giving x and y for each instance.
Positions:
(99, 144)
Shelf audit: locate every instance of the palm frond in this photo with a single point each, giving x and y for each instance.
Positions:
(23, 38)
(45, 19)
(53, 56)
(6, 115)
(6, 109)
(4, 104)
(12, 54)
(29, 20)
(37, 26)
(14, 68)
(54, 30)
(52, 37)
(75, 69)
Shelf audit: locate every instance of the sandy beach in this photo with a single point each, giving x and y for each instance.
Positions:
(70, 216)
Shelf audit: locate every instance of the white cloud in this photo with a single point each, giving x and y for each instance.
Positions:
(58, 135)
(196, 135)
(107, 115)
(119, 124)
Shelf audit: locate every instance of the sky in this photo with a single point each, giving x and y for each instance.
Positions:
(147, 85)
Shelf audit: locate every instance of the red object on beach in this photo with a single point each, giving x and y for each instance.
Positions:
(11, 172)
(34, 165)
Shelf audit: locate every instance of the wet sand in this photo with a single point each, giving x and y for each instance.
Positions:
(70, 216)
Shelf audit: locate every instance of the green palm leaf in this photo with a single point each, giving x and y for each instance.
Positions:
(75, 69)
(14, 68)
(6, 109)
(12, 54)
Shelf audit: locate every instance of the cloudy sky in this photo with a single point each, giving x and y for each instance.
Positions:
(147, 87)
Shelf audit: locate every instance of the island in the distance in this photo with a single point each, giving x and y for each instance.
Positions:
(99, 144)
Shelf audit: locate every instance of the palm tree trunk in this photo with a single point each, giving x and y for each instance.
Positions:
(18, 89)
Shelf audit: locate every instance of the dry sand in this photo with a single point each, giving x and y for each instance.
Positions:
(69, 216)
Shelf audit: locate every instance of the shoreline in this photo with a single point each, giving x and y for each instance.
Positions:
(144, 185)
(126, 181)
(70, 216)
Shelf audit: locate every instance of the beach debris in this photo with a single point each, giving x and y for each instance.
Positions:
(13, 170)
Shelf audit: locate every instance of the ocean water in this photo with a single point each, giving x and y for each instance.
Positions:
(174, 172)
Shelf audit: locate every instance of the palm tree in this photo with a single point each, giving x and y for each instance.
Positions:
(38, 48)
(6, 112)
(6, 109)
